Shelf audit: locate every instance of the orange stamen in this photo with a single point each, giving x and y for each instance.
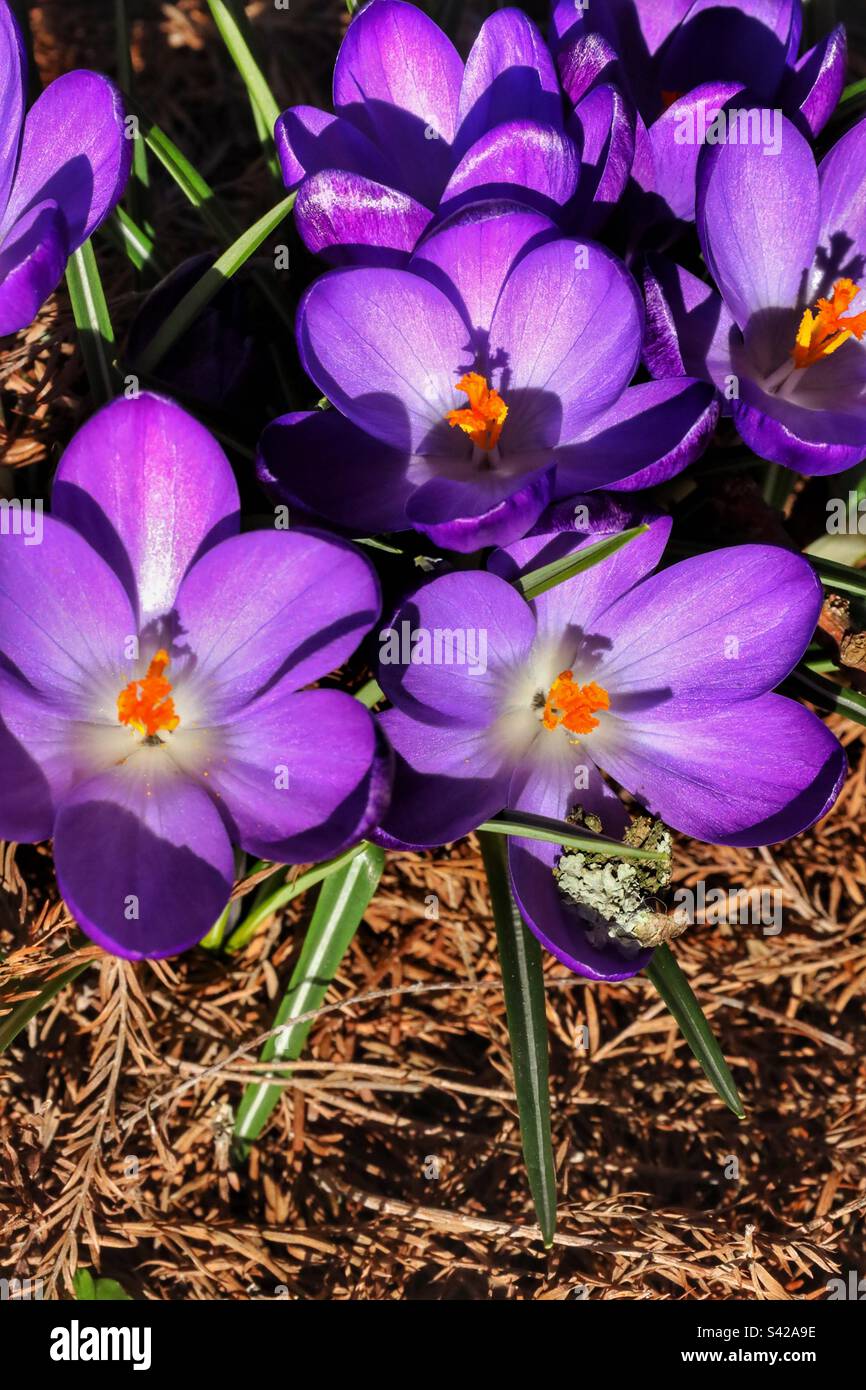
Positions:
(146, 705)
(484, 418)
(823, 332)
(573, 705)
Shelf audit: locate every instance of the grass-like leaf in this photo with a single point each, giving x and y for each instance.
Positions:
(679, 996)
(840, 578)
(137, 188)
(203, 291)
(527, 826)
(270, 902)
(93, 322)
(134, 242)
(20, 1014)
(344, 898)
(558, 571)
(827, 695)
(520, 959)
(233, 28)
(194, 187)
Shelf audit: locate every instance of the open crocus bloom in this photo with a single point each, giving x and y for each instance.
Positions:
(416, 135)
(151, 660)
(660, 50)
(474, 385)
(62, 169)
(679, 62)
(785, 339)
(662, 680)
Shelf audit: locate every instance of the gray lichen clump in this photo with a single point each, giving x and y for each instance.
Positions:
(619, 898)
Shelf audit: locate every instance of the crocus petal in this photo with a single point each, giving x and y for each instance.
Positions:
(509, 73)
(150, 489)
(309, 140)
(689, 329)
(814, 86)
(65, 621)
(753, 774)
(548, 789)
(485, 508)
(540, 162)
(811, 440)
(447, 781)
(13, 64)
(676, 144)
(710, 631)
(319, 461)
(269, 605)
(485, 629)
(606, 125)
(472, 253)
(757, 217)
(33, 255)
(143, 859)
(398, 78)
(724, 39)
(36, 762)
(74, 151)
(653, 432)
(349, 219)
(566, 529)
(586, 60)
(568, 325)
(387, 349)
(842, 237)
(300, 774)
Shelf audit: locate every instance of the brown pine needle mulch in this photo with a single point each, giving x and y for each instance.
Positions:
(392, 1166)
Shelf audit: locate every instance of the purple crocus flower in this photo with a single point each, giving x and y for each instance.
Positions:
(63, 167)
(151, 665)
(470, 388)
(679, 62)
(660, 50)
(663, 680)
(415, 135)
(783, 337)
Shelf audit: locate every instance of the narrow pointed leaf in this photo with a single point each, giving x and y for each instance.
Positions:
(203, 291)
(134, 241)
(522, 977)
(677, 993)
(827, 695)
(840, 578)
(12, 1023)
(547, 576)
(138, 185)
(92, 319)
(270, 903)
(344, 898)
(527, 826)
(234, 31)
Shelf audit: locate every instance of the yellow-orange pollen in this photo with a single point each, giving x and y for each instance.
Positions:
(146, 704)
(823, 331)
(485, 415)
(572, 705)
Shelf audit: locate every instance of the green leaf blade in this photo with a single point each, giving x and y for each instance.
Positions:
(546, 577)
(344, 898)
(184, 314)
(523, 980)
(93, 321)
(679, 997)
(526, 825)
